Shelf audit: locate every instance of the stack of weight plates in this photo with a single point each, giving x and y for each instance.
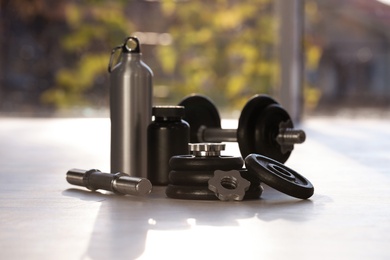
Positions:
(190, 174)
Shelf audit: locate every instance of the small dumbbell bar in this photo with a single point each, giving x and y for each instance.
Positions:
(119, 183)
(264, 126)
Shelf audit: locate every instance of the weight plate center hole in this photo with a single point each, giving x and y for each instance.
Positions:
(281, 172)
(229, 183)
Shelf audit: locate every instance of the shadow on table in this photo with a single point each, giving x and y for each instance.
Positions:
(123, 222)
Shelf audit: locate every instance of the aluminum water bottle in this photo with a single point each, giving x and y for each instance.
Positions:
(130, 109)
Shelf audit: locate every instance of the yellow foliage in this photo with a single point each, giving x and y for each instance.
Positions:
(167, 56)
(73, 82)
(235, 85)
(313, 55)
(112, 15)
(222, 49)
(264, 68)
(228, 19)
(93, 24)
(168, 7)
(312, 96)
(81, 77)
(73, 14)
(204, 35)
(311, 10)
(61, 98)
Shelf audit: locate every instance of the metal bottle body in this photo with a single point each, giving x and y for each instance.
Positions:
(130, 112)
(167, 136)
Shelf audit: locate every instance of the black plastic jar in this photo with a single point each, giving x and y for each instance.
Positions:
(168, 135)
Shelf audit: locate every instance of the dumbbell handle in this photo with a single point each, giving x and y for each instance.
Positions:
(216, 135)
(287, 136)
(118, 183)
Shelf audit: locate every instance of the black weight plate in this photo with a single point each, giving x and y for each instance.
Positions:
(190, 192)
(203, 192)
(266, 131)
(194, 178)
(247, 122)
(246, 175)
(193, 163)
(200, 111)
(190, 178)
(279, 176)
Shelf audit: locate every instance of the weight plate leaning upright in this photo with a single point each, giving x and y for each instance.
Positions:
(279, 176)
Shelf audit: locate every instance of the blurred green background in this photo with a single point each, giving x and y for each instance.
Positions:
(54, 54)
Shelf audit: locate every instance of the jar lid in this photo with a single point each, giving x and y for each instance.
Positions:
(168, 111)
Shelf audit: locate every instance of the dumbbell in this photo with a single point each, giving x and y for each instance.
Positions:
(264, 127)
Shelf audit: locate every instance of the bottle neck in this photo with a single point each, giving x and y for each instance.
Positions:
(131, 56)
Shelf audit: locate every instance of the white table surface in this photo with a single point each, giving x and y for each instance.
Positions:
(44, 217)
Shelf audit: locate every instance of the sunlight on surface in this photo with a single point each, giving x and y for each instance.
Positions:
(386, 2)
(209, 242)
(152, 222)
(59, 221)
